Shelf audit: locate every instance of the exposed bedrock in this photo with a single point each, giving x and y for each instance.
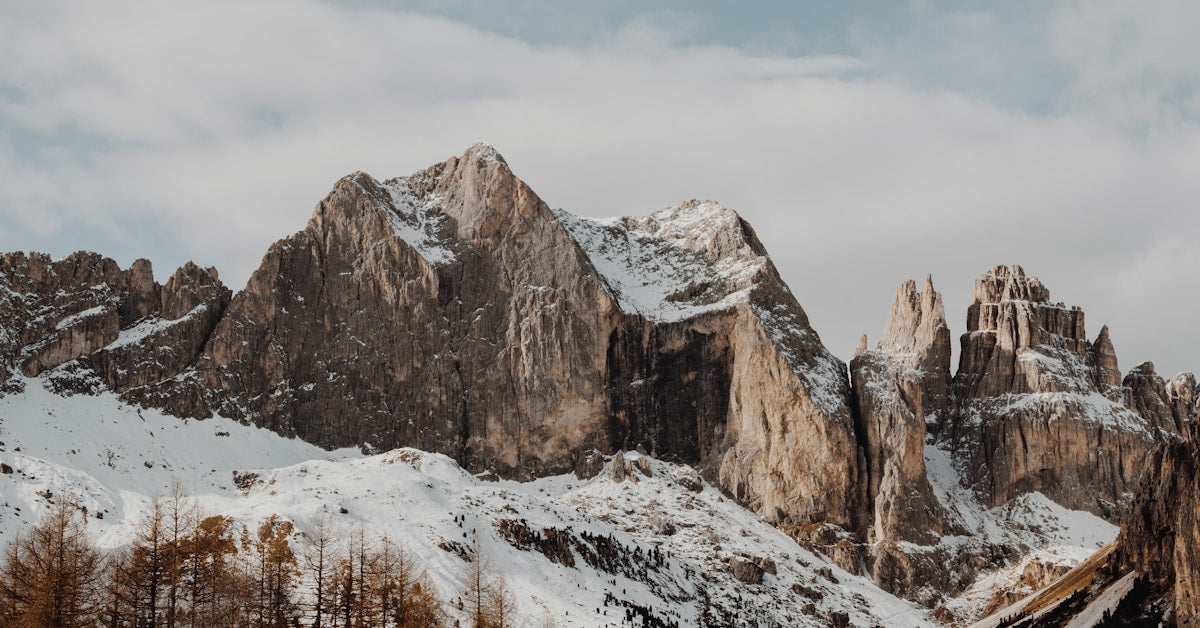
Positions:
(1038, 406)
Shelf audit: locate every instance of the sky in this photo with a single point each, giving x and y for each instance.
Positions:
(867, 142)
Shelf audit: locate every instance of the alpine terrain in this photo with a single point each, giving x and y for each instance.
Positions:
(630, 421)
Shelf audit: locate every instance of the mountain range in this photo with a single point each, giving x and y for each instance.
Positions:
(446, 345)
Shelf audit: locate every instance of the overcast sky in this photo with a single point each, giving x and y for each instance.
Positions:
(867, 143)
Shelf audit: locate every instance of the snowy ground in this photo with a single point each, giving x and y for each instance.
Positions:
(1046, 532)
(115, 458)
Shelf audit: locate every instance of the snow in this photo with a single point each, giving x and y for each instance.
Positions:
(1088, 407)
(1050, 532)
(1105, 602)
(74, 319)
(115, 458)
(417, 221)
(672, 265)
(152, 326)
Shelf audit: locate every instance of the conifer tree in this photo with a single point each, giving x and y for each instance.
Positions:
(424, 607)
(489, 603)
(209, 578)
(277, 571)
(319, 565)
(50, 575)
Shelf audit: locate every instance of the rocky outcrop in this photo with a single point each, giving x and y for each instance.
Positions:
(1037, 408)
(917, 337)
(1160, 533)
(172, 325)
(85, 307)
(1034, 407)
(715, 364)
(1146, 394)
(899, 388)
(1149, 576)
(453, 311)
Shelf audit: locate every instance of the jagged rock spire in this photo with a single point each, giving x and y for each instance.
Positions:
(1104, 361)
(917, 327)
(900, 387)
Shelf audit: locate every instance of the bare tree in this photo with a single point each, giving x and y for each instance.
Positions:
(501, 604)
(318, 563)
(141, 576)
(424, 607)
(50, 576)
(488, 601)
(179, 519)
(392, 581)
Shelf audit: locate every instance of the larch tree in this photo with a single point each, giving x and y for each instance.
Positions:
(208, 578)
(50, 576)
(180, 518)
(319, 565)
(424, 608)
(488, 602)
(145, 569)
(391, 581)
(277, 573)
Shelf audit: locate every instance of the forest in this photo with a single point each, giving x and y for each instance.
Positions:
(185, 567)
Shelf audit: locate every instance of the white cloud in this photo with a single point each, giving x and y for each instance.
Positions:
(217, 126)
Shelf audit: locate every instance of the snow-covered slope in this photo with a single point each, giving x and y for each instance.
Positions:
(1031, 538)
(116, 457)
(673, 264)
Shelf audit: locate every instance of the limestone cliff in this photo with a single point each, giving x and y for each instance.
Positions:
(452, 310)
(899, 388)
(121, 321)
(1160, 534)
(1037, 405)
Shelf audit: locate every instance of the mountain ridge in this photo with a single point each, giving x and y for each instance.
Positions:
(453, 311)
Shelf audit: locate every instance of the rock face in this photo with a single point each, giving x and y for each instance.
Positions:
(454, 311)
(131, 329)
(1160, 534)
(1038, 408)
(1034, 407)
(714, 363)
(899, 388)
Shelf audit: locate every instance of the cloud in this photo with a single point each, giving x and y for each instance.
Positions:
(208, 130)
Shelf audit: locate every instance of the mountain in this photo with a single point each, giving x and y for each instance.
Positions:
(453, 312)
(1149, 575)
(720, 561)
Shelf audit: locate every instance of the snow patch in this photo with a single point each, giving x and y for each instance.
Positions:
(116, 457)
(74, 319)
(672, 265)
(152, 326)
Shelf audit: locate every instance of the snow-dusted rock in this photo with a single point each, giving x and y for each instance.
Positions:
(899, 388)
(131, 329)
(1036, 406)
(454, 311)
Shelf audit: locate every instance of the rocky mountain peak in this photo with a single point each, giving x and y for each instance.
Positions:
(1017, 341)
(482, 195)
(675, 263)
(1024, 359)
(917, 327)
(1185, 397)
(1009, 283)
(1104, 361)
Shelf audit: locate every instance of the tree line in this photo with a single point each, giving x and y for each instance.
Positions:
(184, 567)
